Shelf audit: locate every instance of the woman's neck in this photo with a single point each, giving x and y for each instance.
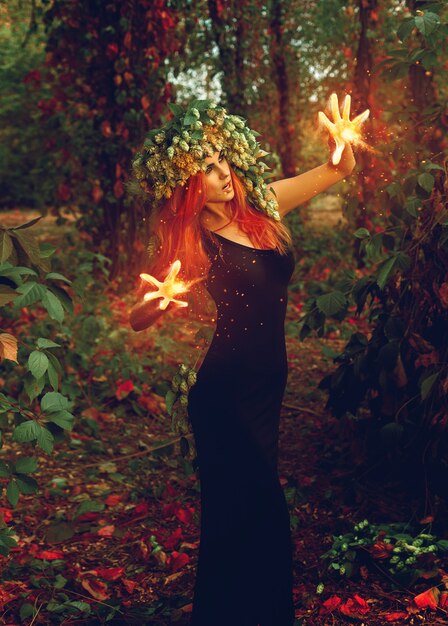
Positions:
(215, 217)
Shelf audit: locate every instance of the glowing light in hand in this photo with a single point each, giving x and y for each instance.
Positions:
(342, 129)
(170, 288)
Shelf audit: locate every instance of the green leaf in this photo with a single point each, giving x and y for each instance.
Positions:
(426, 181)
(4, 470)
(26, 610)
(46, 250)
(7, 294)
(6, 246)
(331, 303)
(53, 376)
(57, 276)
(427, 23)
(399, 261)
(84, 607)
(37, 363)
(175, 109)
(427, 385)
(42, 342)
(45, 440)
(53, 306)
(26, 431)
(12, 492)
(25, 465)
(53, 401)
(27, 484)
(405, 28)
(89, 506)
(169, 400)
(411, 206)
(29, 245)
(33, 386)
(64, 419)
(431, 166)
(393, 189)
(30, 292)
(361, 233)
(54, 361)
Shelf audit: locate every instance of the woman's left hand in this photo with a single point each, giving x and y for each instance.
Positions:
(347, 163)
(342, 133)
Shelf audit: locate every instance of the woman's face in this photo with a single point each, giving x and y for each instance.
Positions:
(219, 182)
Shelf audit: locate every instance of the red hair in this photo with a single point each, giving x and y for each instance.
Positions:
(178, 234)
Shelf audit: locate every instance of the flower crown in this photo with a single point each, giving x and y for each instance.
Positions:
(176, 151)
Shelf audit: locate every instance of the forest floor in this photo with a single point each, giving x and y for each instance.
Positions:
(117, 488)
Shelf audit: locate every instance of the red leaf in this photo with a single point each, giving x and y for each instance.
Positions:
(63, 192)
(145, 102)
(428, 599)
(96, 588)
(6, 513)
(392, 617)
(178, 560)
(354, 607)
(142, 507)
(129, 584)
(49, 555)
(443, 600)
(107, 531)
(185, 515)
(110, 573)
(127, 40)
(113, 499)
(173, 539)
(106, 129)
(118, 189)
(330, 605)
(124, 389)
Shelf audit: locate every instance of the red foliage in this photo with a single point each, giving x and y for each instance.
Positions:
(428, 599)
(330, 605)
(124, 389)
(49, 555)
(354, 607)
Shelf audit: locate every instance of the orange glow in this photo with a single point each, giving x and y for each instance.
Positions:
(342, 129)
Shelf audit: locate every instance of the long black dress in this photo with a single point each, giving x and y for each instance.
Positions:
(244, 573)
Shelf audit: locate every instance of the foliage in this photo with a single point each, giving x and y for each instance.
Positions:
(401, 369)
(24, 286)
(406, 557)
(24, 147)
(108, 82)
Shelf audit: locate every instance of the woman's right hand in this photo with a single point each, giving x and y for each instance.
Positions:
(168, 289)
(150, 309)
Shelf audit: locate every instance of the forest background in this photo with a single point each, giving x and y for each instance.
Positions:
(100, 518)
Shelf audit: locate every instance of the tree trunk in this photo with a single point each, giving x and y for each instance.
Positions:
(281, 81)
(229, 39)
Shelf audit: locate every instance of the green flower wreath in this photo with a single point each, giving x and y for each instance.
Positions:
(173, 153)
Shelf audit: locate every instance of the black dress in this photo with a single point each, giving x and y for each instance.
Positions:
(244, 573)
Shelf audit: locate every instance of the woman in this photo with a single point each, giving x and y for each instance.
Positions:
(219, 219)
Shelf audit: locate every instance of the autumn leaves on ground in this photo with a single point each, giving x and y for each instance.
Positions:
(114, 530)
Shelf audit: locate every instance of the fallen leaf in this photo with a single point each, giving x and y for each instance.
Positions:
(96, 588)
(354, 607)
(330, 605)
(106, 531)
(428, 599)
(393, 617)
(49, 555)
